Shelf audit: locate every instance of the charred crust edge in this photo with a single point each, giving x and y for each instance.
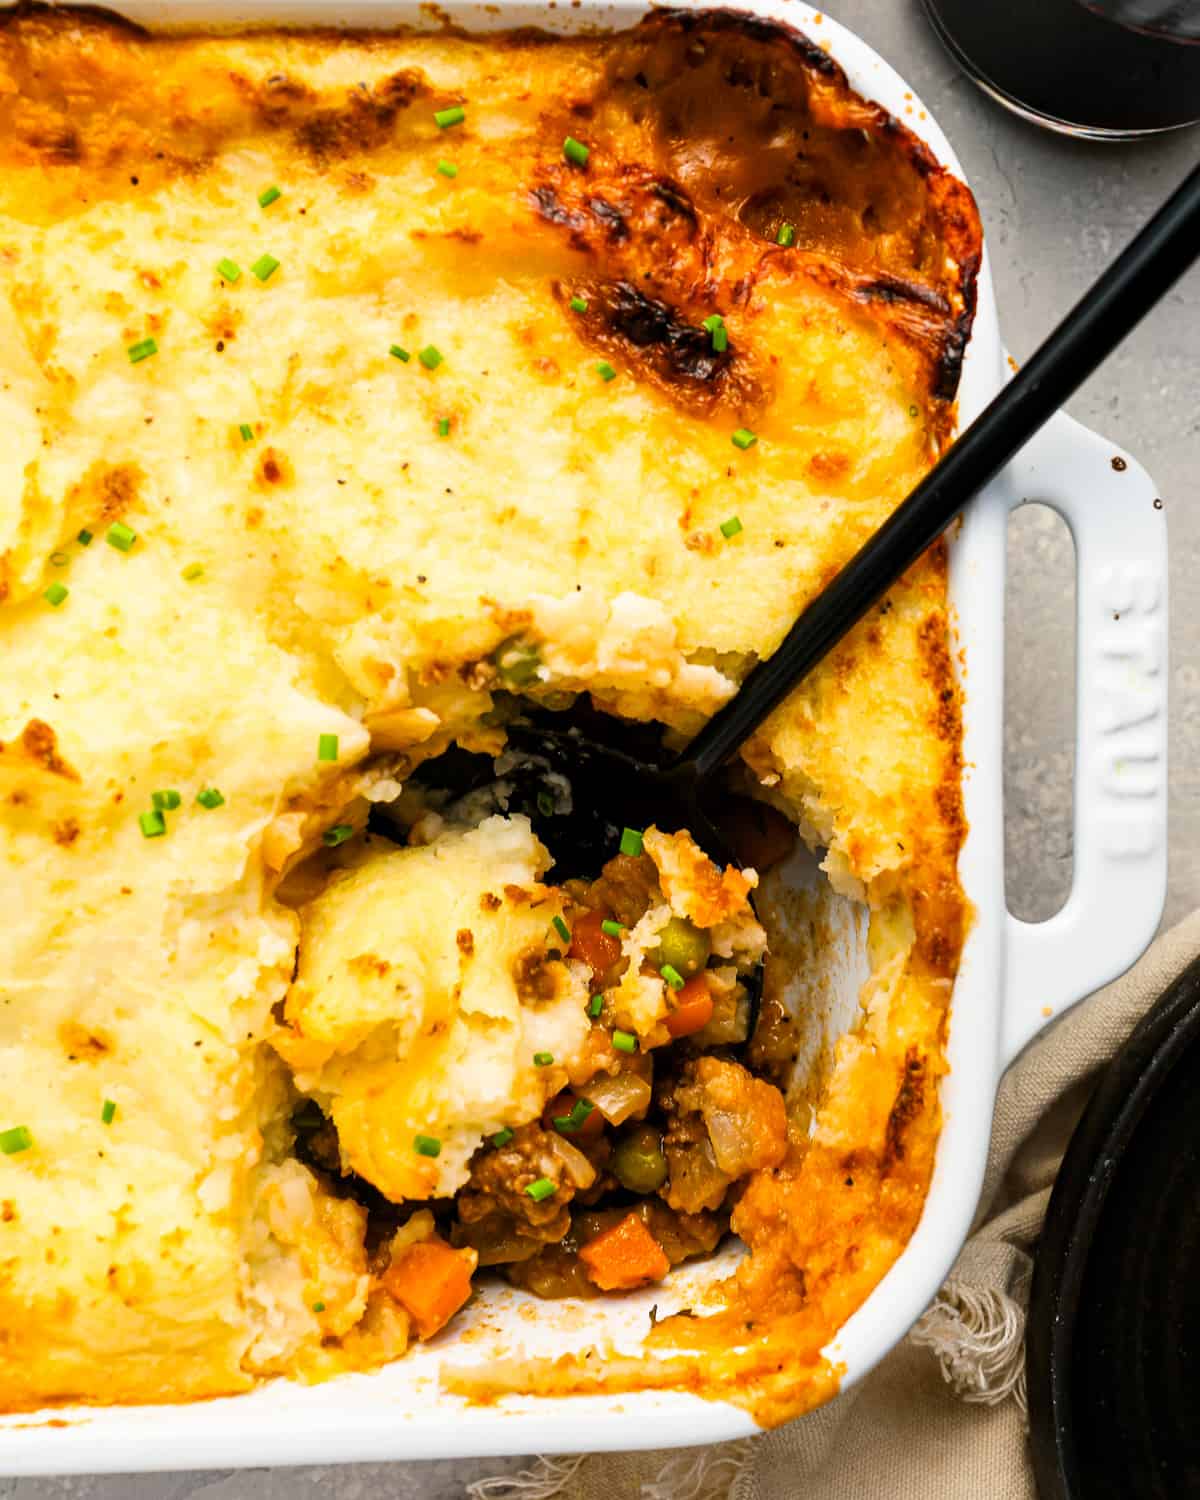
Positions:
(950, 199)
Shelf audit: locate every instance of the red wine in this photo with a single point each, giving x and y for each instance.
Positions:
(1064, 65)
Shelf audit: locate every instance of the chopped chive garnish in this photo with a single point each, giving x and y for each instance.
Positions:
(192, 571)
(624, 1041)
(108, 1111)
(336, 835)
(84, 538)
(631, 841)
(912, 411)
(562, 929)
(120, 536)
(166, 801)
(143, 349)
(318, 1307)
(580, 1111)
(743, 438)
(502, 1138)
(541, 1189)
(229, 269)
(265, 267)
(268, 196)
(786, 235)
(614, 929)
(543, 1059)
(605, 371)
(672, 975)
(455, 115)
(152, 824)
(59, 559)
(430, 357)
(578, 304)
(209, 797)
(731, 527)
(55, 594)
(247, 432)
(15, 1139)
(447, 169)
(545, 804)
(595, 1005)
(715, 325)
(327, 747)
(401, 354)
(443, 427)
(427, 1145)
(575, 152)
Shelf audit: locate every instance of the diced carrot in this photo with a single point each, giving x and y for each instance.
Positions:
(693, 1008)
(560, 1107)
(593, 945)
(625, 1256)
(431, 1281)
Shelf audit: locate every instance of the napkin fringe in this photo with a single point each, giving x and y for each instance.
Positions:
(977, 1335)
(693, 1474)
(547, 1479)
(699, 1473)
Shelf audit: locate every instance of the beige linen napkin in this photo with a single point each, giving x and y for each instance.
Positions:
(943, 1417)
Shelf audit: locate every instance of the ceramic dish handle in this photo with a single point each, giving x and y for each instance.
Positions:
(1120, 835)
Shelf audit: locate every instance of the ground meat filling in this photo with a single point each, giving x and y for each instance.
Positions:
(744, 1118)
(711, 1123)
(557, 1271)
(694, 1181)
(496, 1214)
(626, 890)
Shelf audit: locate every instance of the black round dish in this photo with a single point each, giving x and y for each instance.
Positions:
(1062, 65)
(1113, 1348)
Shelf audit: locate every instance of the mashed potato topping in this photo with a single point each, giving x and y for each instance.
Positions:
(346, 416)
(426, 988)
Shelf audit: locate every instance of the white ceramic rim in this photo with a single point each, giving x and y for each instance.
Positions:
(1013, 977)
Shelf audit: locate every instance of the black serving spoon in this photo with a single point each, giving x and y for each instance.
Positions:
(619, 781)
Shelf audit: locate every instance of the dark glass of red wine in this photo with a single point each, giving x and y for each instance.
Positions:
(1107, 69)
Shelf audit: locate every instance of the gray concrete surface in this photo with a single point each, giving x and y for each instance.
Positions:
(1056, 211)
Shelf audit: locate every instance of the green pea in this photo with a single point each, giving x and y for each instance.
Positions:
(683, 946)
(517, 662)
(638, 1161)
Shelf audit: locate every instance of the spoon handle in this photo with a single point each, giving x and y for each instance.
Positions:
(1136, 280)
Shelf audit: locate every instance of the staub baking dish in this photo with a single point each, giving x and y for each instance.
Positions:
(1014, 977)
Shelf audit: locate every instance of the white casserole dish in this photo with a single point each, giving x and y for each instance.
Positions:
(1014, 976)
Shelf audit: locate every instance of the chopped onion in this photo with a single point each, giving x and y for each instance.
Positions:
(574, 1163)
(733, 1140)
(619, 1098)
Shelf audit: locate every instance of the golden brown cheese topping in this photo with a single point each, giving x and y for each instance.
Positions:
(340, 399)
